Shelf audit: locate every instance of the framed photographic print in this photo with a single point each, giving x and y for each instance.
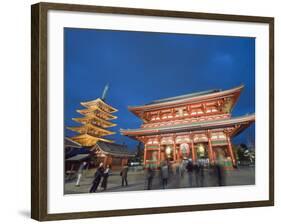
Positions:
(141, 111)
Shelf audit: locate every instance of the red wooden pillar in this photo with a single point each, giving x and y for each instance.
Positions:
(174, 151)
(158, 151)
(230, 150)
(159, 154)
(193, 151)
(144, 155)
(211, 154)
(210, 147)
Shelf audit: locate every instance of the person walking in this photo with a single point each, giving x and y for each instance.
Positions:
(97, 178)
(80, 173)
(164, 175)
(219, 169)
(106, 174)
(149, 177)
(201, 174)
(189, 169)
(196, 169)
(124, 174)
(181, 168)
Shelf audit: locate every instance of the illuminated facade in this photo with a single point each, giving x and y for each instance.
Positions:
(192, 126)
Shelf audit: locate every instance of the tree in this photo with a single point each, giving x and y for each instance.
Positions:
(240, 150)
(243, 146)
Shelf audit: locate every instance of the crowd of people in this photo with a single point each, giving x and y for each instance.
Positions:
(102, 174)
(192, 172)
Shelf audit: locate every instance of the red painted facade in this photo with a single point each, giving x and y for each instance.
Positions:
(193, 126)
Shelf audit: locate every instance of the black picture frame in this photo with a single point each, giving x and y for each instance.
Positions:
(39, 108)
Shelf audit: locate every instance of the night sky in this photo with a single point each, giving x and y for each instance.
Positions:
(142, 66)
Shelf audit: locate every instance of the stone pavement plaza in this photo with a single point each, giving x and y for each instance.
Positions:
(137, 180)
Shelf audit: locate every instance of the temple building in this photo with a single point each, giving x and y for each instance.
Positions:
(114, 154)
(192, 126)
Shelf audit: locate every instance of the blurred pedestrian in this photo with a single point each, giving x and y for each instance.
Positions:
(181, 168)
(97, 178)
(80, 173)
(170, 168)
(106, 174)
(219, 169)
(201, 174)
(124, 174)
(149, 177)
(164, 175)
(189, 169)
(196, 173)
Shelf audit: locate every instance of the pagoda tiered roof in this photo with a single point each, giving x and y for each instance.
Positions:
(91, 129)
(99, 103)
(97, 112)
(94, 123)
(88, 140)
(93, 119)
(70, 143)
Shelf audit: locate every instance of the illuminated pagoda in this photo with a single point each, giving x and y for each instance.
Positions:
(95, 122)
(192, 126)
(92, 132)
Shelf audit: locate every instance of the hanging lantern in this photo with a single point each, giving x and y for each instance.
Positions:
(154, 156)
(168, 150)
(185, 150)
(201, 150)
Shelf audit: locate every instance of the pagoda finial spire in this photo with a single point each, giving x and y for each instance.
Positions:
(105, 92)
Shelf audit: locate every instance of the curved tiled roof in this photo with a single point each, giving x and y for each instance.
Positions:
(187, 98)
(114, 149)
(68, 142)
(189, 127)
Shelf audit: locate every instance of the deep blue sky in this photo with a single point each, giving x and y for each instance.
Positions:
(142, 66)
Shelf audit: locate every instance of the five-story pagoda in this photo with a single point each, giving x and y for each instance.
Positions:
(94, 127)
(95, 123)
